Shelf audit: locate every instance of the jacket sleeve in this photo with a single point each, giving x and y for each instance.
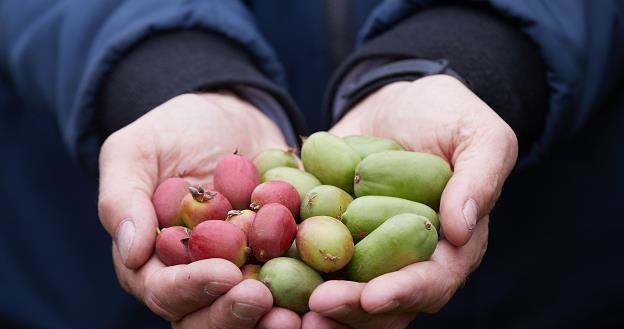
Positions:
(580, 42)
(55, 54)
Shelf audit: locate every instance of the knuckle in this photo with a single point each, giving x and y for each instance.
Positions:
(124, 282)
(156, 305)
(106, 205)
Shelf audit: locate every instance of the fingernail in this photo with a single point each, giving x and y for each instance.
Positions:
(125, 238)
(387, 307)
(246, 311)
(470, 214)
(216, 289)
(336, 311)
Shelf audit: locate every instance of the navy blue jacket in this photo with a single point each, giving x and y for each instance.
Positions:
(553, 253)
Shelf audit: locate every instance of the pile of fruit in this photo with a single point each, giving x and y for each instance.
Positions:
(249, 215)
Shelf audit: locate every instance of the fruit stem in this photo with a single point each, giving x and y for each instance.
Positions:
(233, 213)
(201, 195)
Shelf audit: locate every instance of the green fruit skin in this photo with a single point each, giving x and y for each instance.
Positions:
(291, 282)
(325, 200)
(366, 213)
(415, 176)
(292, 252)
(272, 158)
(299, 179)
(367, 145)
(401, 240)
(330, 159)
(324, 243)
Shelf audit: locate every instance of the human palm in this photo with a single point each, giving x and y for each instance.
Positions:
(182, 137)
(438, 115)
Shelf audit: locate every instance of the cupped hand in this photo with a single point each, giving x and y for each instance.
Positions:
(438, 115)
(182, 137)
(394, 299)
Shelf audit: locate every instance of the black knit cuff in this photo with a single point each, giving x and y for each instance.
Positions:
(167, 65)
(499, 64)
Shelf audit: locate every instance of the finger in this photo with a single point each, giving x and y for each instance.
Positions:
(280, 318)
(175, 291)
(240, 308)
(313, 320)
(480, 169)
(133, 281)
(127, 179)
(340, 301)
(426, 286)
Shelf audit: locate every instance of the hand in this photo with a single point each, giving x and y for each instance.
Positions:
(184, 136)
(439, 115)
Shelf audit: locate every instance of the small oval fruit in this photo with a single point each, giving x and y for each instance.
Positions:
(200, 205)
(401, 240)
(167, 198)
(324, 243)
(415, 176)
(276, 192)
(218, 239)
(171, 245)
(325, 200)
(272, 232)
(299, 179)
(236, 177)
(367, 145)
(366, 213)
(330, 159)
(241, 218)
(291, 282)
(274, 157)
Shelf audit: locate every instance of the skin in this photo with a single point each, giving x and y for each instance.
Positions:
(184, 136)
(452, 122)
(455, 124)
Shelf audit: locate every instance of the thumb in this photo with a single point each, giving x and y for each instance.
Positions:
(480, 170)
(127, 179)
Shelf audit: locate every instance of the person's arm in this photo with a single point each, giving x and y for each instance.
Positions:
(542, 66)
(499, 64)
(455, 114)
(577, 41)
(57, 54)
(167, 87)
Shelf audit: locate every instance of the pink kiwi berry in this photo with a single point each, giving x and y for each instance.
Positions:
(171, 245)
(167, 198)
(276, 192)
(200, 205)
(272, 232)
(218, 239)
(241, 218)
(236, 177)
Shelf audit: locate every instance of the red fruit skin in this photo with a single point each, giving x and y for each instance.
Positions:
(167, 198)
(218, 239)
(272, 232)
(276, 192)
(194, 212)
(242, 218)
(208, 186)
(236, 177)
(171, 245)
